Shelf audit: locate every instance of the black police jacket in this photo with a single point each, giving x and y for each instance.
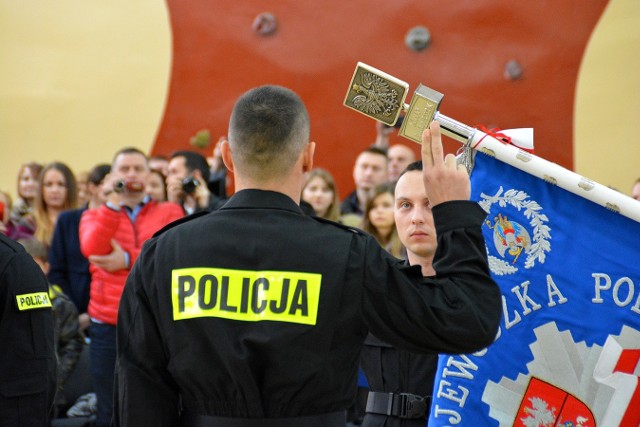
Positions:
(27, 353)
(397, 374)
(259, 311)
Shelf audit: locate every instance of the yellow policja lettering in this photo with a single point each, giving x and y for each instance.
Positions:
(246, 295)
(33, 300)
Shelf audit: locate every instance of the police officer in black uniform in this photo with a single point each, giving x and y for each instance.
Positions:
(27, 354)
(255, 314)
(401, 382)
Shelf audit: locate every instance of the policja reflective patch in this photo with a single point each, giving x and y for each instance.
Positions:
(33, 300)
(246, 295)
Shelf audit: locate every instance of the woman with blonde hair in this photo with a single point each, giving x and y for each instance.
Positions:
(28, 176)
(378, 219)
(57, 193)
(21, 222)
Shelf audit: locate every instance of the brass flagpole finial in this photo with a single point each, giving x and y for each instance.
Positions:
(380, 96)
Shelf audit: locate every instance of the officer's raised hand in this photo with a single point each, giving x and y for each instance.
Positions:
(444, 180)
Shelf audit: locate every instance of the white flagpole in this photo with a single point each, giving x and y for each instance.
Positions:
(556, 174)
(388, 103)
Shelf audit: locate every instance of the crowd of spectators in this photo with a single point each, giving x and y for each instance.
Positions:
(78, 228)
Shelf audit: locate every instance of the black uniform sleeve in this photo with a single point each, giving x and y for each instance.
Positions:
(27, 353)
(144, 388)
(458, 311)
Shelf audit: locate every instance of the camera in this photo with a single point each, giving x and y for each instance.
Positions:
(189, 185)
(122, 186)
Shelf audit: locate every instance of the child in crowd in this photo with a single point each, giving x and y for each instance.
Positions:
(68, 339)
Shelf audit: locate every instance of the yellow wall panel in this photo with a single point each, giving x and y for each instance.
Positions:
(79, 80)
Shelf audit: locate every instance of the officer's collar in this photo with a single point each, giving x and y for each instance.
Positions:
(262, 199)
(414, 270)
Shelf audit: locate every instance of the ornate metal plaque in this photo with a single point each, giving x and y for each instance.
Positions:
(380, 96)
(376, 94)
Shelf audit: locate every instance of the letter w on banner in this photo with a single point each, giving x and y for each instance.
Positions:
(568, 349)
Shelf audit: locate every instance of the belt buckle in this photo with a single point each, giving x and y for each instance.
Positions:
(412, 406)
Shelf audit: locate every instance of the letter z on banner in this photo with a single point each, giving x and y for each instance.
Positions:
(568, 349)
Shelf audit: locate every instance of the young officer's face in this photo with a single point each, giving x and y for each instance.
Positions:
(414, 219)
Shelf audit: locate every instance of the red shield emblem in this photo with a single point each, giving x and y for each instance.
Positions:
(545, 405)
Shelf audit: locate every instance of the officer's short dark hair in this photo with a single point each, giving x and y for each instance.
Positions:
(194, 161)
(415, 166)
(268, 129)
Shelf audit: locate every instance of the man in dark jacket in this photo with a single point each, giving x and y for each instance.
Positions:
(369, 170)
(27, 354)
(187, 183)
(255, 314)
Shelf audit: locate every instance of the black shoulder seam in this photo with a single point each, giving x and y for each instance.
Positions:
(337, 224)
(180, 221)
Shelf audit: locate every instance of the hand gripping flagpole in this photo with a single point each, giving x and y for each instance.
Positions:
(380, 96)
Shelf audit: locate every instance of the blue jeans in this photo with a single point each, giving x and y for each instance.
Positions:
(103, 364)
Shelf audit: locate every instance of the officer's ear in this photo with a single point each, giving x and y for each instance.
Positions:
(307, 161)
(225, 150)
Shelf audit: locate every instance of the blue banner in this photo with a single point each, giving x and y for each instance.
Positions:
(568, 349)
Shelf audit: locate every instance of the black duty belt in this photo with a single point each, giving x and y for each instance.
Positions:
(334, 419)
(401, 405)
